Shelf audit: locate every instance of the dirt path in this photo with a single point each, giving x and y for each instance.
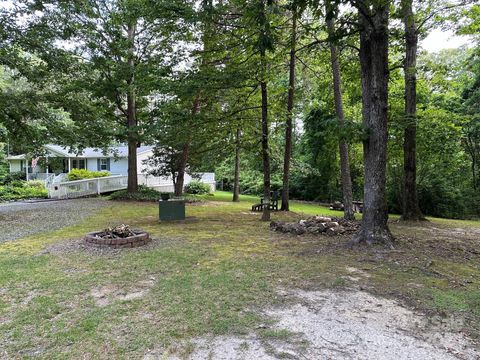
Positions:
(335, 325)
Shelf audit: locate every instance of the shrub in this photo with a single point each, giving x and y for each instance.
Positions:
(146, 194)
(197, 187)
(143, 194)
(14, 176)
(80, 174)
(17, 183)
(39, 184)
(19, 190)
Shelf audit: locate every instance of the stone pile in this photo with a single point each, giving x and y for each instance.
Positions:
(317, 225)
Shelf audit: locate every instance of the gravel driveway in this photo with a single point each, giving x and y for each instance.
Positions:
(21, 219)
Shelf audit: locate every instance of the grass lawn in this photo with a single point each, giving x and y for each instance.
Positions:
(208, 275)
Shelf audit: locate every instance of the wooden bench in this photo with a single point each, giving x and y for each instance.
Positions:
(272, 204)
(357, 206)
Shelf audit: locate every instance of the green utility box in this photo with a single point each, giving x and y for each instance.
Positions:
(172, 209)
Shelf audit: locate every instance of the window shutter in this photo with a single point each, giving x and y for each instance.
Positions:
(98, 164)
(108, 164)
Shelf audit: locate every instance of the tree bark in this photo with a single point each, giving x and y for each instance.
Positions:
(132, 132)
(337, 92)
(411, 209)
(265, 149)
(178, 187)
(185, 153)
(289, 124)
(236, 182)
(375, 75)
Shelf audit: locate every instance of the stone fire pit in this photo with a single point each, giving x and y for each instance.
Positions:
(118, 237)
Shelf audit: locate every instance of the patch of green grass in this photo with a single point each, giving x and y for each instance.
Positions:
(315, 209)
(295, 206)
(455, 222)
(227, 196)
(457, 300)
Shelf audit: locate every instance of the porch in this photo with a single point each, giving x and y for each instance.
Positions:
(42, 168)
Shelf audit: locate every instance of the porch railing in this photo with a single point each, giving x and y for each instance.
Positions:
(81, 188)
(87, 187)
(165, 184)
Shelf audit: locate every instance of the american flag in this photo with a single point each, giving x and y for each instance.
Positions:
(34, 162)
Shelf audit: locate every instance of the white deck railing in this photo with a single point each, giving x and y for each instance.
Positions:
(165, 184)
(97, 186)
(87, 187)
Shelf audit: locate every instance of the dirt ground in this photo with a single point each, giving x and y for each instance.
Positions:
(335, 325)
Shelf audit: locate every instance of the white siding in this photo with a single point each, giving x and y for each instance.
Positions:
(92, 164)
(15, 165)
(117, 167)
(120, 166)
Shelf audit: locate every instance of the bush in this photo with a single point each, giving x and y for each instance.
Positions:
(80, 174)
(437, 196)
(39, 184)
(17, 183)
(19, 190)
(14, 176)
(197, 187)
(143, 194)
(147, 194)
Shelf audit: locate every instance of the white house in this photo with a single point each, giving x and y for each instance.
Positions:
(58, 159)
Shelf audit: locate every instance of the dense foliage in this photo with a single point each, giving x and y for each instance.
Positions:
(197, 187)
(80, 174)
(147, 194)
(13, 176)
(143, 194)
(20, 190)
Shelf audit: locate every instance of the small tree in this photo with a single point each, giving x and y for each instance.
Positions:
(167, 162)
(120, 52)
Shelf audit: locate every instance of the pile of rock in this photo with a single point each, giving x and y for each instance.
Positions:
(316, 225)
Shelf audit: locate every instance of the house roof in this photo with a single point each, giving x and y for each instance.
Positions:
(16, 157)
(120, 151)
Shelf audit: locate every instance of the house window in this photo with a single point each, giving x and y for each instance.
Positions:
(78, 164)
(104, 165)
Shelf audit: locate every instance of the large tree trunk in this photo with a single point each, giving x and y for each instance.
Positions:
(289, 126)
(337, 92)
(375, 75)
(411, 209)
(132, 185)
(265, 150)
(236, 182)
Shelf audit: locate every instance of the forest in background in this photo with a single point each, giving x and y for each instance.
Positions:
(192, 79)
(447, 127)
